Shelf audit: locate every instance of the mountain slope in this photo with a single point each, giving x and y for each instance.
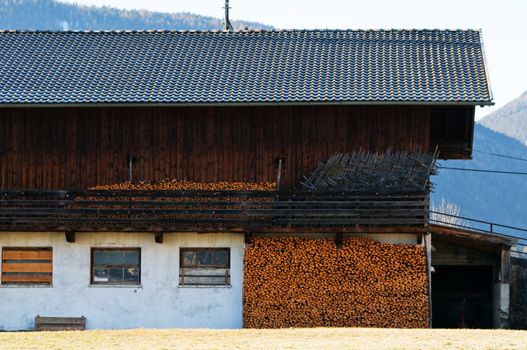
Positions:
(54, 15)
(511, 119)
(491, 197)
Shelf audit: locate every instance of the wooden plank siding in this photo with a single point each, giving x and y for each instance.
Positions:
(21, 267)
(27, 255)
(77, 148)
(27, 265)
(26, 279)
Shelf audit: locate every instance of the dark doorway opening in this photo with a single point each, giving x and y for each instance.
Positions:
(462, 297)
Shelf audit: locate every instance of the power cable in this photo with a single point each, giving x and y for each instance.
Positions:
(484, 170)
(501, 155)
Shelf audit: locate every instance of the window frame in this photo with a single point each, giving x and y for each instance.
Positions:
(183, 266)
(28, 261)
(120, 283)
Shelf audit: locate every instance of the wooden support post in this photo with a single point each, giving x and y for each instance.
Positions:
(159, 237)
(427, 241)
(339, 238)
(502, 290)
(70, 236)
(505, 268)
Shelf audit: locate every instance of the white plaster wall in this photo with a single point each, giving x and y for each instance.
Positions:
(158, 303)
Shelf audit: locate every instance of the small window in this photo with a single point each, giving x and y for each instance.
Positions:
(27, 266)
(116, 266)
(204, 266)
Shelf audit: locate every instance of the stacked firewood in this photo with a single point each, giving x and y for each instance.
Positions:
(183, 185)
(300, 282)
(146, 202)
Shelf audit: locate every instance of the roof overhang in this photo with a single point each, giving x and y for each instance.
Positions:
(244, 104)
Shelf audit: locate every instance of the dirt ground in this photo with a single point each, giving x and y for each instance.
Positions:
(299, 338)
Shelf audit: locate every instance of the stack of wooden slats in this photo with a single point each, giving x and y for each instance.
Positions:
(300, 282)
(369, 171)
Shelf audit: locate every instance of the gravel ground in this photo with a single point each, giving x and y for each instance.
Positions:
(298, 338)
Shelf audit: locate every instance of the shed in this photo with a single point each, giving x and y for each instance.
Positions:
(471, 278)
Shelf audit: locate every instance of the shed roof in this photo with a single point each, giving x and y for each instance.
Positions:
(472, 234)
(243, 67)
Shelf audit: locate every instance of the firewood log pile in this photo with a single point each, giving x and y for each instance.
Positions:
(208, 203)
(183, 185)
(302, 282)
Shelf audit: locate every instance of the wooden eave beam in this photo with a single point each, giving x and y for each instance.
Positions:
(70, 236)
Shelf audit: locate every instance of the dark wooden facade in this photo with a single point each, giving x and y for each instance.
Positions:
(77, 148)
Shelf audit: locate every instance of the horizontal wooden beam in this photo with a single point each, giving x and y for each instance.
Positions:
(23, 254)
(27, 267)
(232, 229)
(46, 279)
(65, 194)
(258, 209)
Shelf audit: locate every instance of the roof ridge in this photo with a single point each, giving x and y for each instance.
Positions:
(117, 31)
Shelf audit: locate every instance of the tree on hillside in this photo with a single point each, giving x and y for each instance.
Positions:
(55, 15)
(446, 213)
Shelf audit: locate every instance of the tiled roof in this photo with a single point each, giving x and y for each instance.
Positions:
(208, 67)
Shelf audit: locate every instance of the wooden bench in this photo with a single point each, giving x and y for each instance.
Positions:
(60, 323)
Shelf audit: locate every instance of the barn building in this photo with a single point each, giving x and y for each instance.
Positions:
(232, 123)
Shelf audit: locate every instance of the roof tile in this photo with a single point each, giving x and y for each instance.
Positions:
(202, 67)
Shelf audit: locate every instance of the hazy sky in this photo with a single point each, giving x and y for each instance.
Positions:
(503, 22)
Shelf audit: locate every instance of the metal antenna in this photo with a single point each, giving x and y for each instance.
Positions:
(227, 23)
